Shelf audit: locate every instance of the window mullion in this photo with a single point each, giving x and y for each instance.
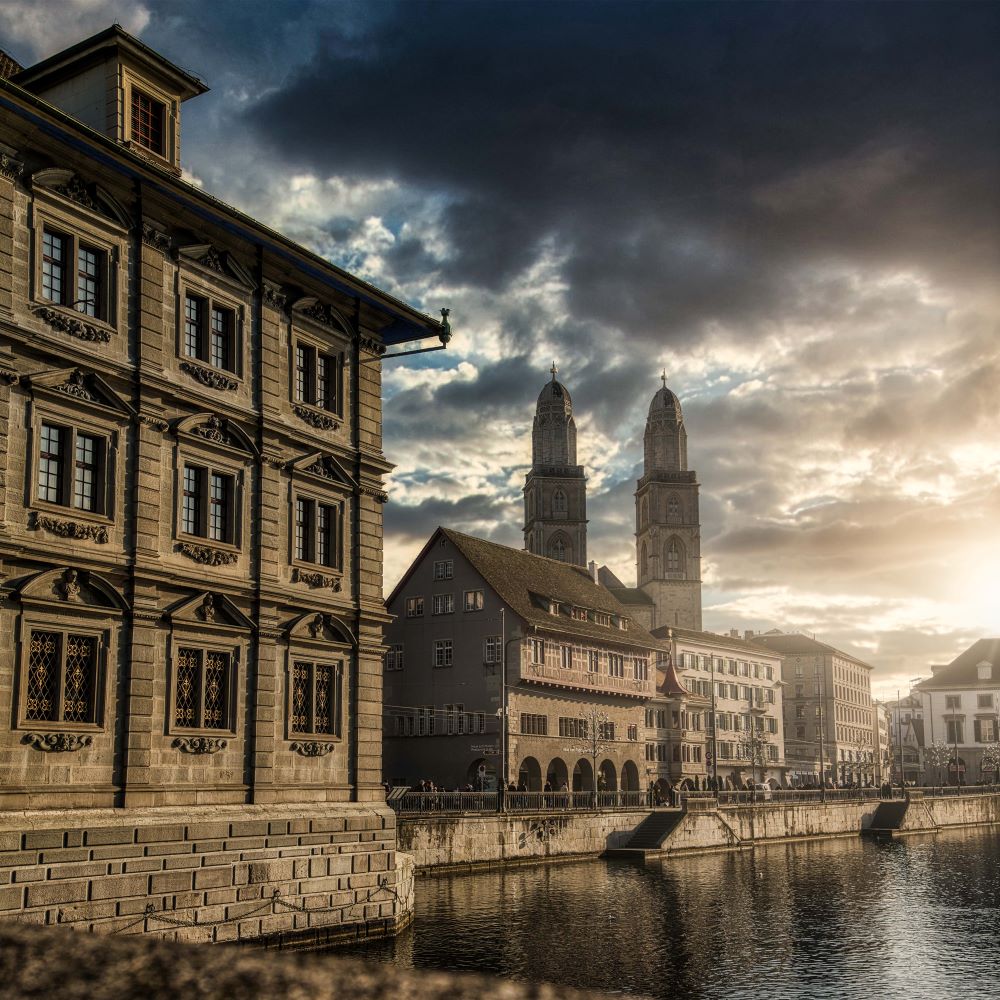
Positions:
(60, 691)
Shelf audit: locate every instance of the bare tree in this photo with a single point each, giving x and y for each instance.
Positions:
(937, 754)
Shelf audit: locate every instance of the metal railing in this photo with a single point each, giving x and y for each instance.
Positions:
(518, 802)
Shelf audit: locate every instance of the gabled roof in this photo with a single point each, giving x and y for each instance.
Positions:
(526, 583)
(796, 642)
(631, 596)
(963, 671)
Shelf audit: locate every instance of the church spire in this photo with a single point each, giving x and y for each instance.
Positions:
(555, 490)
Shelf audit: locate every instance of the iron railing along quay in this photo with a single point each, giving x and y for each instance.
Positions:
(518, 802)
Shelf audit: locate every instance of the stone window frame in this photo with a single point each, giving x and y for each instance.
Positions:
(207, 638)
(53, 211)
(227, 459)
(327, 342)
(340, 504)
(231, 297)
(171, 109)
(313, 658)
(50, 406)
(86, 622)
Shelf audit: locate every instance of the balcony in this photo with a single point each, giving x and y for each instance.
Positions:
(571, 678)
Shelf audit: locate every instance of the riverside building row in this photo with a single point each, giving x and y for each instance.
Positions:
(190, 474)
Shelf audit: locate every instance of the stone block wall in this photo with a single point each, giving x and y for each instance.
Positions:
(281, 874)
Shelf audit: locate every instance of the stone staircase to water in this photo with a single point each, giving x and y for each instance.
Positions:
(650, 834)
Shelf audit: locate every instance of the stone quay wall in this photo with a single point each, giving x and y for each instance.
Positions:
(440, 842)
(495, 838)
(278, 875)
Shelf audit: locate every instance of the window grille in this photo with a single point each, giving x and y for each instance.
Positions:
(201, 697)
(316, 693)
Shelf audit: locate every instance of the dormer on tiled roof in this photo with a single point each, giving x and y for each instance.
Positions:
(121, 88)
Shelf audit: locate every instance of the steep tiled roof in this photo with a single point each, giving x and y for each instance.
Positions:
(963, 670)
(631, 595)
(716, 639)
(523, 581)
(795, 642)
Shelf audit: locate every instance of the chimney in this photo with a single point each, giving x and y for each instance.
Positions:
(748, 634)
(592, 566)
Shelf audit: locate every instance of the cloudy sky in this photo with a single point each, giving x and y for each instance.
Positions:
(794, 208)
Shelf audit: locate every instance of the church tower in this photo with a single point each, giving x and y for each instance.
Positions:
(668, 524)
(555, 490)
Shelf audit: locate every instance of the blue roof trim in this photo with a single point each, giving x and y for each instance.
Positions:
(399, 331)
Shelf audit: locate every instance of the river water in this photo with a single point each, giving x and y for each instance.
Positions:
(914, 918)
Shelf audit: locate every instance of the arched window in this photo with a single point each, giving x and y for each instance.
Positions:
(559, 549)
(643, 562)
(673, 507)
(643, 512)
(674, 559)
(559, 502)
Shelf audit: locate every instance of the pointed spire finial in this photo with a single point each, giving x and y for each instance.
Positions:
(554, 371)
(664, 377)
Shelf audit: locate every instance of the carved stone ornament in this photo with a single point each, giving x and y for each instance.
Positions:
(371, 345)
(322, 314)
(207, 610)
(208, 376)
(70, 529)
(199, 744)
(68, 586)
(9, 376)
(10, 167)
(274, 296)
(315, 418)
(71, 325)
(76, 190)
(316, 579)
(212, 430)
(312, 748)
(76, 386)
(58, 742)
(320, 468)
(157, 423)
(205, 555)
(152, 237)
(380, 496)
(213, 260)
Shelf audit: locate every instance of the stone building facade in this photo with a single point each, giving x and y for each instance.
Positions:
(471, 617)
(191, 462)
(555, 489)
(829, 713)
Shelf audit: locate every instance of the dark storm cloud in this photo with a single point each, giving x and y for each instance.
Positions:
(686, 158)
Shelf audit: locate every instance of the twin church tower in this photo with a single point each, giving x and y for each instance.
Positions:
(667, 522)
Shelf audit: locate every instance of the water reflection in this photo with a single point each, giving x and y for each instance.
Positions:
(825, 919)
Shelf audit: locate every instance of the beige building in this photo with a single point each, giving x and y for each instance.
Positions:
(191, 457)
(717, 717)
(882, 742)
(578, 672)
(960, 704)
(829, 720)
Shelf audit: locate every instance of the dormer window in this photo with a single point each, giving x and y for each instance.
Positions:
(580, 614)
(601, 618)
(984, 670)
(148, 117)
(553, 607)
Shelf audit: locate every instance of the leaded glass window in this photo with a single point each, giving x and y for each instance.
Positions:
(201, 694)
(315, 698)
(61, 681)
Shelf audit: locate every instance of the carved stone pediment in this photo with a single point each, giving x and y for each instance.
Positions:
(220, 261)
(92, 197)
(82, 588)
(209, 609)
(324, 466)
(318, 626)
(81, 387)
(216, 430)
(310, 308)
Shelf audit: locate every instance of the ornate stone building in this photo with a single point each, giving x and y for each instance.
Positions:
(191, 505)
(555, 490)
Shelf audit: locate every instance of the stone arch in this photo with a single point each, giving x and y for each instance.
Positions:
(674, 561)
(557, 774)
(583, 776)
(560, 503)
(662, 788)
(685, 785)
(643, 512)
(607, 777)
(674, 507)
(530, 775)
(560, 547)
(630, 776)
(643, 562)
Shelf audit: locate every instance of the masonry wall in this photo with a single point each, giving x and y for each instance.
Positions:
(209, 874)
